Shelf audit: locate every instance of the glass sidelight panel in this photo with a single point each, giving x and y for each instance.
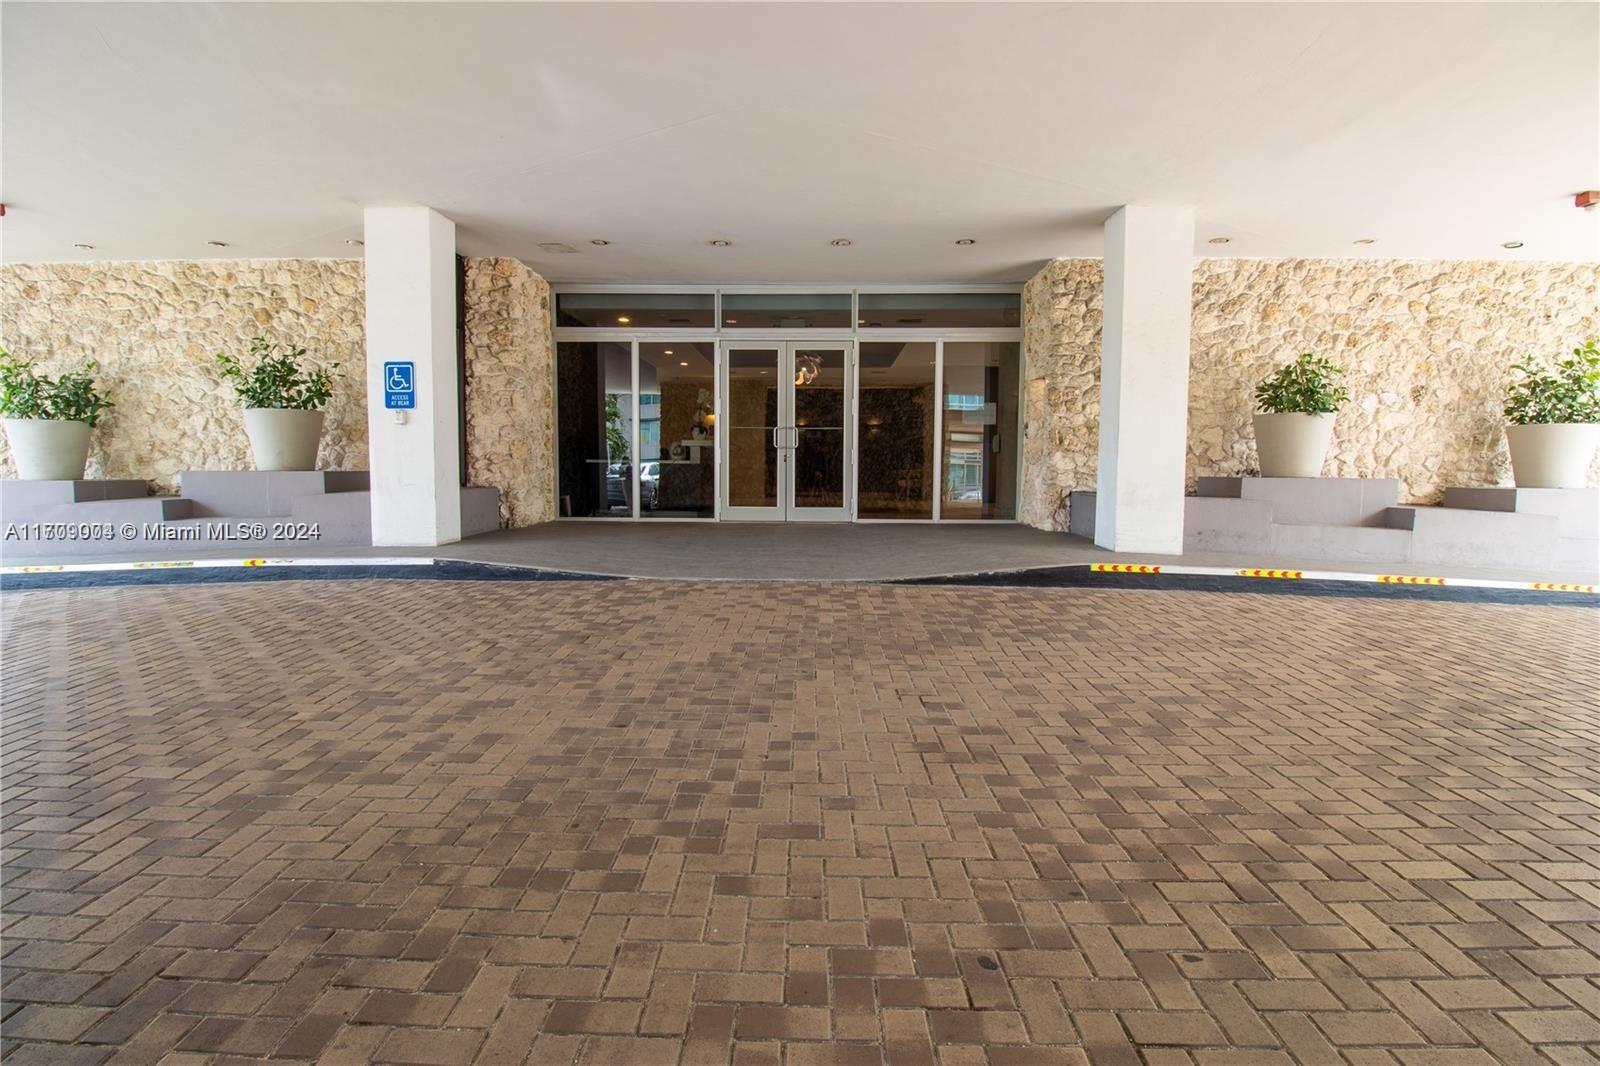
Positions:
(979, 442)
(677, 430)
(820, 385)
(594, 394)
(753, 412)
(894, 478)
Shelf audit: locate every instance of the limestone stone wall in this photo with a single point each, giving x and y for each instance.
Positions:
(1427, 348)
(1061, 317)
(154, 328)
(510, 388)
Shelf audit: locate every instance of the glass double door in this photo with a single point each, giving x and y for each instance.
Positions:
(785, 431)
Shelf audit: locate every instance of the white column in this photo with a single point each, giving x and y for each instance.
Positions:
(411, 317)
(1144, 379)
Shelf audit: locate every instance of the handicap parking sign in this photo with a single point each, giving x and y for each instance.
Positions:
(399, 386)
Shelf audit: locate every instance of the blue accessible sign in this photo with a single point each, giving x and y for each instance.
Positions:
(399, 386)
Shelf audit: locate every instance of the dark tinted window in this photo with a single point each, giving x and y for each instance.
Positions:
(940, 310)
(633, 310)
(758, 310)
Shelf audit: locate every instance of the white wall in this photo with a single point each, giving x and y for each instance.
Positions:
(1144, 378)
(411, 316)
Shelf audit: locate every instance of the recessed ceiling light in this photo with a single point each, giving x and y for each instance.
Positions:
(354, 243)
(623, 320)
(1219, 240)
(667, 352)
(683, 364)
(841, 242)
(1512, 244)
(966, 240)
(719, 243)
(732, 321)
(218, 244)
(599, 242)
(1366, 240)
(85, 247)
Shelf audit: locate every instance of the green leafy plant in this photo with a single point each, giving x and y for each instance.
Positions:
(1569, 393)
(616, 440)
(271, 376)
(26, 393)
(1305, 386)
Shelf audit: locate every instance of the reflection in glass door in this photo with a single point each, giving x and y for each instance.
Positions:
(786, 431)
(820, 382)
(753, 424)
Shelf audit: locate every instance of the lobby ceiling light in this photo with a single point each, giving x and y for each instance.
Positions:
(1219, 240)
(667, 352)
(841, 242)
(218, 244)
(966, 241)
(719, 243)
(1364, 240)
(683, 364)
(623, 320)
(599, 242)
(1513, 245)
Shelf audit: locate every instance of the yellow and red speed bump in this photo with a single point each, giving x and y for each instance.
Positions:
(1557, 586)
(1125, 568)
(1291, 574)
(1407, 579)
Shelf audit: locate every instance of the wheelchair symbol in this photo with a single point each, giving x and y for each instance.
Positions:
(399, 378)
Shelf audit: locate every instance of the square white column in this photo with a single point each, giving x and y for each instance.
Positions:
(415, 454)
(1144, 379)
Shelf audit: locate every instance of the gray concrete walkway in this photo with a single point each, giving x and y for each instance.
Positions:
(735, 550)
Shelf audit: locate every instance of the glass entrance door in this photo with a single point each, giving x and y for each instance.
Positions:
(785, 431)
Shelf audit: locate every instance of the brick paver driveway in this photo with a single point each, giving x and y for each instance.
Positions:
(646, 822)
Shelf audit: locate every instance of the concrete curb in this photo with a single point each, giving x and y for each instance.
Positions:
(208, 564)
(1261, 573)
(1340, 575)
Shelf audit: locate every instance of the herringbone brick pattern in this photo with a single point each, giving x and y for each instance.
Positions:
(641, 823)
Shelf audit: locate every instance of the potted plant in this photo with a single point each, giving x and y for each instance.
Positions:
(1554, 418)
(1294, 423)
(282, 403)
(48, 419)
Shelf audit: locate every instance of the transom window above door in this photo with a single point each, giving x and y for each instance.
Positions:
(992, 312)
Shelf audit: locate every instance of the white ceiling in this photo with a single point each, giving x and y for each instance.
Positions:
(1440, 130)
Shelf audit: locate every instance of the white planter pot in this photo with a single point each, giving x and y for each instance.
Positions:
(283, 439)
(48, 449)
(1555, 455)
(1293, 445)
